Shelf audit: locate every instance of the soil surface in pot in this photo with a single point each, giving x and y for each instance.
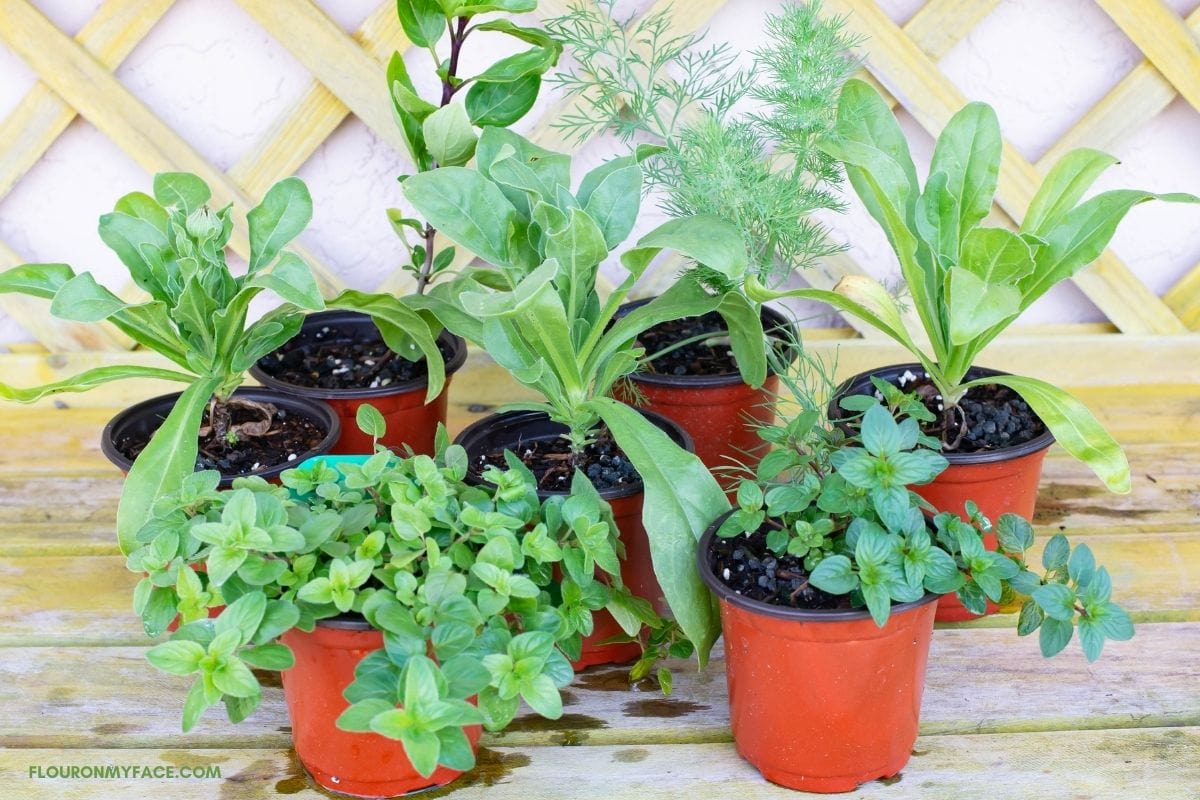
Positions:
(701, 357)
(326, 362)
(550, 462)
(255, 436)
(995, 417)
(747, 566)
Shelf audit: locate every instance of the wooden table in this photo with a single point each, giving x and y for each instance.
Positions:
(998, 721)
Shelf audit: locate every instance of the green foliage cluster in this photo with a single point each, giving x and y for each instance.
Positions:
(443, 133)
(760, 170)
(837, 497)
(173, 245)
(968, 282)
(459, 577)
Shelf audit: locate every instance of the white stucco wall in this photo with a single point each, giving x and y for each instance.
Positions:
(220, 80)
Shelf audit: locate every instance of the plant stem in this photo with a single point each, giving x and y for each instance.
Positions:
(458, 35)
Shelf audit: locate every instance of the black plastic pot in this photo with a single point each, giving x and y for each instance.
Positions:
(720, 412)
(410, 421)
(1003, 481)
(144, 418)
(513, 430)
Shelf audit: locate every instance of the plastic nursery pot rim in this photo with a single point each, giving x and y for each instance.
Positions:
(771, 318)
(727, 595)
(517, 422)
(861, 382)
(355, 319)
(346, 622)
(159, 407)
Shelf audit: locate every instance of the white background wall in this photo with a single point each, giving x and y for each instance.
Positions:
(220, 80)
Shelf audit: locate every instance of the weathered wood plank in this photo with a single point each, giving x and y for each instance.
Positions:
(1163, 763)
(124, 702)
(930, 96)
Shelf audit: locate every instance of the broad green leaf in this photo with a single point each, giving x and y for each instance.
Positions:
(936, 219)
(144, 207)
(534, 61)
(968, 154)
(976, 306)
(90, 379)
(542, 696)
(467, 207)
(139, 245)
(1064, 185)
(281, 216)
(1056, 552)
(167, 460)
(682, 499)
(36, 280)
(292, 280)
(996, 256)
(1073, 426)
(456, 751)
(449, 135)
(423, 21)
(502, 104)
(176, 657)
(370, 421)
(466, 7)
(746, 337)
(181, 190)
(357, 717)
(269, 656)
(404, 96)
(706, 239)
(614, 202)
(402, 329)
(235, 678)
(243, 615)
(1055, 635)
(194, 705)
(834, 575)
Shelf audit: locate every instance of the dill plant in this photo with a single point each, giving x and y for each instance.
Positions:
(761, 168)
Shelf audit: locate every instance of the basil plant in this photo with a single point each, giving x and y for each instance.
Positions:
(173, 245)
(458, 576)
(534, 307)
(443, 133)
(969, 281)
(837, 514)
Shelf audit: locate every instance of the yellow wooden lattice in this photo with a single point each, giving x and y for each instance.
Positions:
(76, 77)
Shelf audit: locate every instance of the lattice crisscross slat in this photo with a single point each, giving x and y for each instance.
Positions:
(76, 78)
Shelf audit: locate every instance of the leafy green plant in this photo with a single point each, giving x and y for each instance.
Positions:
(536, 310)
(968, 282)
(443, 133)
(173, 245)
(458, 577)
(760, 170)
(836, 500)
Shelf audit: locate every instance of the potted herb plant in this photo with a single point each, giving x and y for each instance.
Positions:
(535, 309)
(344, 357)
(827, 573)
(196, 317)
(762, 171)
(968, 282)
(404, 605)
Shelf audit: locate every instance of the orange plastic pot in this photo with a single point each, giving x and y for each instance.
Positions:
(720, 412)
(410, 421)
(358, 764)
(144, 418)
(508, 432)
(1003, 481)
(822, 701)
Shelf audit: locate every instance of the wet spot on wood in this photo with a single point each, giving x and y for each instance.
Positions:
(662, 707)
(479, 408)
(191, 758)
(892, 781)
(631, 755)
(568, 698)
(567, 722)
(112, 728)
(251, 781)
(1056, 502)
(284, 729)
(612, 680)
(491, 767)
(268, 678)
(917, 753)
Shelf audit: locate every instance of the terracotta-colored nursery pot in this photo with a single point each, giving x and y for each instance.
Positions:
(147, 416)
(999, 481)
(509, 432)
(409, 420)
(719, 412)
(359, 764)
(821, 701)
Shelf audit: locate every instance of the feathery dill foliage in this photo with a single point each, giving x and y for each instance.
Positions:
(760, 170)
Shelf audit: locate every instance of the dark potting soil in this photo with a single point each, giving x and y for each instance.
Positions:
(290, 435)
(747, 566)
(697, 358)
(550, 462)
(995, 417)
(331, 359)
